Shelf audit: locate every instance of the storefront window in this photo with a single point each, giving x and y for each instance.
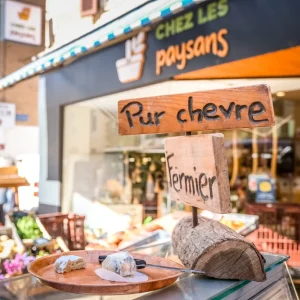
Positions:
(115, 169)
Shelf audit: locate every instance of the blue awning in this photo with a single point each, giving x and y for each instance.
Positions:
(148, 14)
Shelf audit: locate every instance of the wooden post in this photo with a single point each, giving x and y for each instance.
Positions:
(194, 208)
(195, 216)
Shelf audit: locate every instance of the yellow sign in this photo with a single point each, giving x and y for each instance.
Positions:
(24, 14)
(265, 186)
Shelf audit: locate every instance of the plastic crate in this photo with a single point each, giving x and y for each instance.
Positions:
(68, 226)
(268, 240)
(283, 218)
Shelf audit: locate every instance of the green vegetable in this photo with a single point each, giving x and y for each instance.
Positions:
(147, 220)
(28, 228)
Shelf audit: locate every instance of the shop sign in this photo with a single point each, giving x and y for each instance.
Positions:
(213, 43)
(244, 107)
(130, 68)
(196, 165)
(22, 23)
(253, 179)
(197, 171)
(265, 192)
(7, 115)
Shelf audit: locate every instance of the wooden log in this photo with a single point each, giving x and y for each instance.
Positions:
(217, 249)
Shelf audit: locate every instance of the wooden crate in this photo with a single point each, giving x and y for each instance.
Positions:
(68, 226)
(9, 224)
(23, 244)
(28, 242)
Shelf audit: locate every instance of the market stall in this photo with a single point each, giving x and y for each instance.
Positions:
(210, 244)
(278, 285)
(22, 240)
(146, 169)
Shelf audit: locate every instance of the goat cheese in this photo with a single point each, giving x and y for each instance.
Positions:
(69, 263)
(121, 263)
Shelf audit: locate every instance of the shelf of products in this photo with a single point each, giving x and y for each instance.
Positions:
(241, 223)
(13, 261)
(23, 240)
(187, 286)
(128, 239)
(159, 231)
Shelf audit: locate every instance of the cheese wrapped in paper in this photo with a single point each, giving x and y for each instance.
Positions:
(121, 263)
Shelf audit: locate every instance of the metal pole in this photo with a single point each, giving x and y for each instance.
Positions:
(194, 209)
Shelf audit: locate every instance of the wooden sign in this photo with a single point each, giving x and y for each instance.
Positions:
(243, 107)
(197, 171)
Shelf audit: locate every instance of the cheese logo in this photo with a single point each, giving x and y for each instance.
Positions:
(24, 14)
(265, 186)
(130, 68)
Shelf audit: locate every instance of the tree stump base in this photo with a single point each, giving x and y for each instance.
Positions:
(218, 250)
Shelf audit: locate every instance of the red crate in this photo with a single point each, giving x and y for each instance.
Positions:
(68, 226)
(279, 230)
(267, 240)
(283, 218)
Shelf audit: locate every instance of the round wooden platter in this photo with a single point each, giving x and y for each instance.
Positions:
(85, 281)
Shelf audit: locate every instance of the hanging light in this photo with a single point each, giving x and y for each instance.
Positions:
(280, 94)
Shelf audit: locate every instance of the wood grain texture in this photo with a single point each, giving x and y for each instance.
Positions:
(197, 171)
(244, 107)
(9, 181)
(85, 281)
(218, 250)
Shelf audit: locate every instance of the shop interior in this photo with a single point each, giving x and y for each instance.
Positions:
(131, 170)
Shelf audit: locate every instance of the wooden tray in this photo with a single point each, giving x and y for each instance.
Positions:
(85, 281)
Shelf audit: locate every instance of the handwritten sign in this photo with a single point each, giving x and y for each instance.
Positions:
(197, 171)
(244, 107)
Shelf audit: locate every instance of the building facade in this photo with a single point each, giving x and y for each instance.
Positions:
(22, 37)
(164, 47)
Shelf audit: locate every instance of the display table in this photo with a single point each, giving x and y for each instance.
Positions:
(278, 286)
